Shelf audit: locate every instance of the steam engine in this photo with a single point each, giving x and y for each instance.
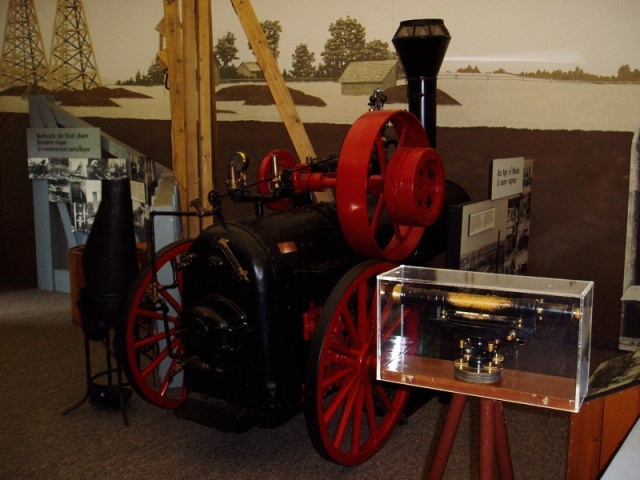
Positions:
(258, 318)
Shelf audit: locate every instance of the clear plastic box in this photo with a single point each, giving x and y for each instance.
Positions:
(504, 337)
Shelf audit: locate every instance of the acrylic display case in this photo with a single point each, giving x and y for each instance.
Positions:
(504, 337)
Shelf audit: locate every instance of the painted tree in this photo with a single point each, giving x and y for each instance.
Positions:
(272, 30)
(154, 76)
(626, 74)
(302, 62)
(378, 50)
(346, 44)
(226, 50)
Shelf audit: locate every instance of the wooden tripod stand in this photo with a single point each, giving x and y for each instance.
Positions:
(494, 441)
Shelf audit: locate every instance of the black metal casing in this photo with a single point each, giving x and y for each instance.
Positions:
(250, 331)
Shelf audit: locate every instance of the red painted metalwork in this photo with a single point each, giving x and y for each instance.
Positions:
(386, 192)
(303, 180)
(413, 187)
(374, 186)
(149, 366)
(310, 320)
(266, 176)
(350, 415)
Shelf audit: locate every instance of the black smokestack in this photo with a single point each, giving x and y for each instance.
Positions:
(421, 46)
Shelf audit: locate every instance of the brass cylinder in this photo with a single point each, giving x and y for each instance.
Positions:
(482, 303)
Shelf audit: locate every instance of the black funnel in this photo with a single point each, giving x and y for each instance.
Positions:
(421, 46)
(109, 260)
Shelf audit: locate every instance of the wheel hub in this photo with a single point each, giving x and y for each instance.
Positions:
(367, 363)
(413, 187)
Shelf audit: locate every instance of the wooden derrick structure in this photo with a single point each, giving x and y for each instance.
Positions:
(186, 28)
(23, 59)
(73, 64)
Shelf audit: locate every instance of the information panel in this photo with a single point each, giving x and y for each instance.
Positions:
(64, 142)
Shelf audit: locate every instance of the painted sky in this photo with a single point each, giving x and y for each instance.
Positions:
(519, 35)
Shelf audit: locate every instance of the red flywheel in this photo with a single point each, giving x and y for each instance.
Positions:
(390, 185)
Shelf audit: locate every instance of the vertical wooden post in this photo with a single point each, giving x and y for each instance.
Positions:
(188, 55)
(277, 86)
(173, 32)
(206, 102)
(190, 46)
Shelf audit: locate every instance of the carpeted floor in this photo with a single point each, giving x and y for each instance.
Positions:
(42, 372)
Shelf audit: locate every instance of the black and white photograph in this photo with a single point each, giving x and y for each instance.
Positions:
(79, 211)
(85, 200)
(106, 168)
(517, 264)
(59, 190)
(78, 168)
(78, 194)
(137, 167)
(38, 168)
(59, 168)
(478, 236)
(142, 170)
(140, 214)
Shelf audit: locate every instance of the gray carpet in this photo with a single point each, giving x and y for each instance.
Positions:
(42, 372)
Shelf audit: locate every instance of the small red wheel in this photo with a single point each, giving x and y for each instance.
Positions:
(266, 173)
(152, 372)
(349, 414)
(386, 197)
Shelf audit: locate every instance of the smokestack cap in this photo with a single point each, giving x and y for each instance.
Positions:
(421, 45)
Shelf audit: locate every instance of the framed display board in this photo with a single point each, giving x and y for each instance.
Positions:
(493, 235)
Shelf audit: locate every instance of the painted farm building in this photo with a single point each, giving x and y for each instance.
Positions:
(250, 70)
(361, 78)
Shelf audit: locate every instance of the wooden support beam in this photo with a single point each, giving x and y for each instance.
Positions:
(175, 65)
(207, 133)
(188, 57)
(190, 48)
(277, 86)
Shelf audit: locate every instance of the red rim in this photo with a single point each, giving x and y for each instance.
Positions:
(152, 372)
(350, 415)
(362, 183)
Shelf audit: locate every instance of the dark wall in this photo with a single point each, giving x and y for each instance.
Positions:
(579, 203)
(17, 240)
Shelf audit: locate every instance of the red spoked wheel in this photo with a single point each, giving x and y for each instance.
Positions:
(151, 370)
(349, 414)
(389, 184)
(266, 174)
